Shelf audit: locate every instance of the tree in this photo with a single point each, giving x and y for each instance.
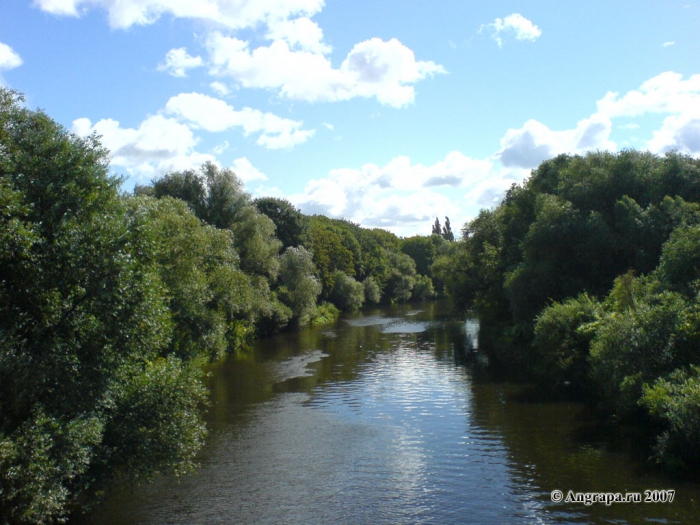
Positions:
(216, 196)
(89, 388)
(447, 230)
(347, 293)
(289, 222)
(423, 288)
(187, 186)
(373, 293)
(402, 277)
(329, 253)
(212, 302)
(299, 286)
(437, 229)
(255, 241)
(422, 250)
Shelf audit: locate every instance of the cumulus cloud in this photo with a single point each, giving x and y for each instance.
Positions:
(667, 93)
(401, 196)
(158, 145)
(680, 133)
(373, 68)
(664, 93)
(9, 59)
(294, 63)
(299, 34)
(235, 14)
(246, 171)
(215, 115)
(177, 62)
(534, 142)
(517, 25)
(166, 141)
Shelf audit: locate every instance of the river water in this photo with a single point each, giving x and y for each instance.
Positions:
(388, 418)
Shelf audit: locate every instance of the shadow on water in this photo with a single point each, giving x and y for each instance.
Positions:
(392, 416)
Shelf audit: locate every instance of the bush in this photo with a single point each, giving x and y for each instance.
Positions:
(299, 287)
(373, 293)
(675, 402)
(347, 293)
(638, 345)
(423, 288)
(562, 340)
(324, 313)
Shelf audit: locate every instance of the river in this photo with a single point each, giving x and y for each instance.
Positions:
(383, 418)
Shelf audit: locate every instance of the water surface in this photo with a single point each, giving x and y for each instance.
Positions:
(388, 417)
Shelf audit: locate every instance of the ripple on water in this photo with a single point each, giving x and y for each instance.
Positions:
(371, 320)
(405, 328)
(403, 438)
(296, 366)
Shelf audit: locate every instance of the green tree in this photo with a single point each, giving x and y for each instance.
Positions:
(212, 302)
(289, 222)
(329, 254)
(299, 286)
(373, 293)
(680, 263)
(674, 401)
(187, 186)
(422, 250)
(447, 231)
(563, 335)
(423, 288)
(84, 329)
(347, 293)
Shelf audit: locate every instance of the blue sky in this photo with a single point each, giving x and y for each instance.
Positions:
(386, 113)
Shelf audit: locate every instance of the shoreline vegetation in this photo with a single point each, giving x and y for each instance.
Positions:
(111, 304)
(585, 278)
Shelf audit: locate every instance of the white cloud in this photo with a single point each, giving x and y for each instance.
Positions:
(177, 62)
(158, 145)
(534, 142)
(664, 93)
(517, 24)
(300, 34)
(294, 63)
(220, 88)
(9, 59)
(402, 196)
(373, 68)
(163, 142)
(246, 171)
(215, 115)
(235, 14)
(680, 133)
(220, 148)
(669, 94)
(668, 44)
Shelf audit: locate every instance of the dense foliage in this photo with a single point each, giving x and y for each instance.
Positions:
(91, 387)
(586, 277)
(110, 304)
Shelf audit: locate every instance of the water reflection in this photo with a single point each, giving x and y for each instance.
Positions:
(388, 418)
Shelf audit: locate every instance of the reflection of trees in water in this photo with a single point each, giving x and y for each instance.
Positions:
(560, 445)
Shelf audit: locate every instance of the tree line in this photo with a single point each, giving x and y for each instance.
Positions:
(110, 303)
(586, 278)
